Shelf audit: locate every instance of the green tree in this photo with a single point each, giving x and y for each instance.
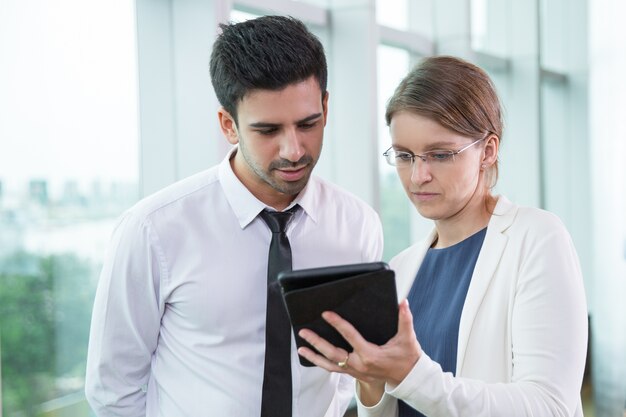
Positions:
(26, 331)
(45, 306)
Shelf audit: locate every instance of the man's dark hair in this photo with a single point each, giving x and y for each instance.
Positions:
(268, 53)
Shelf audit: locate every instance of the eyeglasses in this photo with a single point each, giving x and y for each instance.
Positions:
(403, 159)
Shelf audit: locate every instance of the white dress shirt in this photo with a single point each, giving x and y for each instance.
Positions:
(178, 326)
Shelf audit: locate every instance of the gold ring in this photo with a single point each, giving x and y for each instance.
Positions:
(344, 364)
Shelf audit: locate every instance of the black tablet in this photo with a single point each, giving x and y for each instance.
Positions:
(363, 294)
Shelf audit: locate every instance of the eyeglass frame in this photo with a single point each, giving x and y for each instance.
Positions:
(423, 156)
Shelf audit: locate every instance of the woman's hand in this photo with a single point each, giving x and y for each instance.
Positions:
(367, 362)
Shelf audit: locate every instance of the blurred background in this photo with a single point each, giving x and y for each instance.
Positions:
(104, 102)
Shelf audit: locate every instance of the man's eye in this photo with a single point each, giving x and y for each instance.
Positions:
(268, 131)
(306, 126)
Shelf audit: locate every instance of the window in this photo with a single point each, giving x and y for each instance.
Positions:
(395, 209)
(241, 16)
(68, 168)
(392, 13)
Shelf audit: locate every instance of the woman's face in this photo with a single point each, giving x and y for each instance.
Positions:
(440, 187)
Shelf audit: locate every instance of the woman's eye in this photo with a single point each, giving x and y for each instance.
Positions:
(405, 157)
(440, 156)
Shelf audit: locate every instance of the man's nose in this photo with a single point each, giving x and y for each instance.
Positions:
(291, 147)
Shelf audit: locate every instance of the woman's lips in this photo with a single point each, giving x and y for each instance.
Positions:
(424, 196)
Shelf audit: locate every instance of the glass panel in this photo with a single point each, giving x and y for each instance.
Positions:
(238, 16)
(553, 37)
(68, 168)
(492, 30)
(392, 13)
(605, 157)
(393, 65)
(479, 23)
(319, 3)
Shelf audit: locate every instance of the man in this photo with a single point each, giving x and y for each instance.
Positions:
(179, 320)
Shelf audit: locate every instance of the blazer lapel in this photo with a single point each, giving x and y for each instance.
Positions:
(406, 268)
(486, 264)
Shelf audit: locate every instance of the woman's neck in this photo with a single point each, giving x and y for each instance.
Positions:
(473, 218)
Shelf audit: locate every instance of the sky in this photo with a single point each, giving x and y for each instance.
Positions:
(68, 91)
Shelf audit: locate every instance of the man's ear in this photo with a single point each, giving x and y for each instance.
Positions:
(325, 107)
(228, 126)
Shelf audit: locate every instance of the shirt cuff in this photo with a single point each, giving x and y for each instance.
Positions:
(385, 407)
(415, 378)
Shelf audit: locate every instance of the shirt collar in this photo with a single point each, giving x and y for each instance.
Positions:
(247, 207)
(308, 198)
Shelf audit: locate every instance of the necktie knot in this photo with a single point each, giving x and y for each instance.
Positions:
(277, 221)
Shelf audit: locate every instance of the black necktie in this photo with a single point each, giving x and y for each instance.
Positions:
(276, 401)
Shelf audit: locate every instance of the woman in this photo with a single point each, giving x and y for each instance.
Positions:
(493, 320)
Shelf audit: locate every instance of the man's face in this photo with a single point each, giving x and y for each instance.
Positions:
(280, 139)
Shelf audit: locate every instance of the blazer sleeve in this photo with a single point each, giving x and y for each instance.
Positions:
(548, 344)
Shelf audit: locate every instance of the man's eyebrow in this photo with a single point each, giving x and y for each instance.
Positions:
(261, 125)
(309, 118)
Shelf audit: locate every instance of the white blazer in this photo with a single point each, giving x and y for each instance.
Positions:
(523, 330)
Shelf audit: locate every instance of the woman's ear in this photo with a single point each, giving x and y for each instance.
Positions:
(228, 126)
(490, 155)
